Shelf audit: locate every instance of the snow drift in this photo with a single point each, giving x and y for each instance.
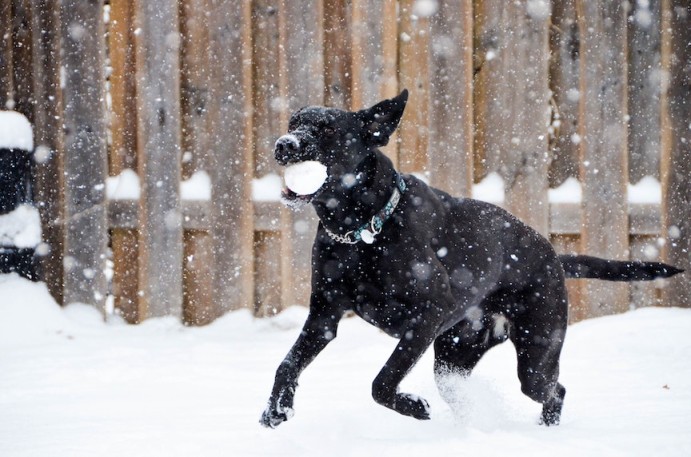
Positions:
(72, 385)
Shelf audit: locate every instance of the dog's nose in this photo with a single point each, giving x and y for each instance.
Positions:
(286, 148)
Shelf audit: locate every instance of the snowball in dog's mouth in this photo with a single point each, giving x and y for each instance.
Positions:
(303, 180)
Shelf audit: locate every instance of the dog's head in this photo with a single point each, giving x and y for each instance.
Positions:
(338, 139)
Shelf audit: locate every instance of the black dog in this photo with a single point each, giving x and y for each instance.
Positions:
(424, 267)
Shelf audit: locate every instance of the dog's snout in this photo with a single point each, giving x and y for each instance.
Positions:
(286, 148)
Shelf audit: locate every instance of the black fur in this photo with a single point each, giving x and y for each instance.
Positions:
(460, 274)
(584, 266)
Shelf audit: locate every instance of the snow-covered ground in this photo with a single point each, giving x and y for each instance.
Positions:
(72, 385)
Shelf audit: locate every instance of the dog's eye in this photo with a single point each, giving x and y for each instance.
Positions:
(328, 131)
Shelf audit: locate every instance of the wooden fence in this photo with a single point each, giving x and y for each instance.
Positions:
(533, 90)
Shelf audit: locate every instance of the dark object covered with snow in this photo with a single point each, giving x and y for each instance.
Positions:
(20, 225)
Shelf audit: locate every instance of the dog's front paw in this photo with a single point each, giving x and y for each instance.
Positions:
(412, 405)
(275, 415)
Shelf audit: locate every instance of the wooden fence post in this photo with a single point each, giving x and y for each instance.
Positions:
(269, 112)
(564, 81)
(645, 74)
(6, 71)
(374, 56)
(123, 118)
(604, 171)
(158, 113)
(49, 142)
(368, 73)
(302, 83)
(22, 65)
(413, 65)
(337, 59)
(85, 165)
(644, 126)
(231, 106)
(564, 148)
(199, 304)
(451, 97)
(123, 152)
(514, 112)
(676, 163)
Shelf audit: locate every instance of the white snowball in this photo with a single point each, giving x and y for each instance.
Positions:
(305, 178)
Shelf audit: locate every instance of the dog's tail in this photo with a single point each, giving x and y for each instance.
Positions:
(585, 266)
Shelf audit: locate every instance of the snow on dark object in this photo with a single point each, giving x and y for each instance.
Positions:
(20, 225)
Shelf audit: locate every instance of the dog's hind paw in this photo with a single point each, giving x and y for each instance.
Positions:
(272, 418)
(412, 405)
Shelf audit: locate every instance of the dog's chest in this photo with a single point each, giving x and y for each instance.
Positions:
(382, 289)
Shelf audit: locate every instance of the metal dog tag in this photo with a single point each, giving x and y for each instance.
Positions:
(367, 236)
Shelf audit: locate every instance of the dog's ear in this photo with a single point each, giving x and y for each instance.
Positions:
(380, 121)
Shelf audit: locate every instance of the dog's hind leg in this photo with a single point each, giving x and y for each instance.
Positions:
(538, 337)
(538, 371)
(459, 349)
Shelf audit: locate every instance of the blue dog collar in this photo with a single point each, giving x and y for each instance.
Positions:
(368, 232)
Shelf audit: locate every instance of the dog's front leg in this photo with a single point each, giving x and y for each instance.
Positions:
(319, 329)
(385, 386)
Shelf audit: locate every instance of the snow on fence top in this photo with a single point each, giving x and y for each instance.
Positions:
(267, 188)
(570, 191)
(15, 131)
(491, 189)
(125, 186)
(647, 190)
(198, 187)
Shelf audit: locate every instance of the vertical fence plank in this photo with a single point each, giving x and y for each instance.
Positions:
(390, 66)
(22, 43)
(85, 160)
(413, 55)
(490, 22)
(644, 293)
(645, 75)
(676, 151)
(231, 127)
(525, 70)
(49, 156)
(337, 58)
(368, 73)
(302, 45)
(570, 244)
(564, 79)
(194, 91)
(513, 104)
(158, 113)
(199, 305)
(267, 96)
(302, 83)
(267, 295)
(123, 152)
(564, 82)
(451, 97)
(269, 112)
(604, 172)
(123, 117)
(6, 71)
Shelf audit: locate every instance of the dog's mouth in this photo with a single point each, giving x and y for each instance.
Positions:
(293, 200)
(303, 180)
